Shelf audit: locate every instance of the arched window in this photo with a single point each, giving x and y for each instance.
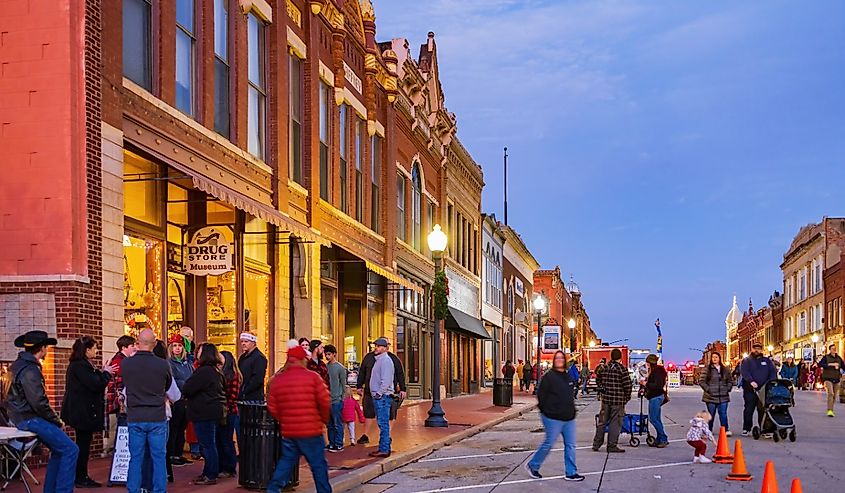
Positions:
(416, 206)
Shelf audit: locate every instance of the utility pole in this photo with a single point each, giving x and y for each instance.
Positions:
(506, 186)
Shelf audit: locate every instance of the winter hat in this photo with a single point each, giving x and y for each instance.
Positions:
(175, 339)
(295, 351)
(315, 344)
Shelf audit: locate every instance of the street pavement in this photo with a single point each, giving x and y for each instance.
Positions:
(493, 460)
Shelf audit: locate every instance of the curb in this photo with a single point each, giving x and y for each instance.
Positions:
(372, 471)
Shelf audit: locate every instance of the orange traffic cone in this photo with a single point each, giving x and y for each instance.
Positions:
(796, 486)
(723, 449)
(770, 483)
(739, 472)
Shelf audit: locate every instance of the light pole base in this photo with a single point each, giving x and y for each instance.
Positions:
(436, 417)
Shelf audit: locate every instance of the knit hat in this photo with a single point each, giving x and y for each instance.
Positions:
(176, 339)
(315, 344)
(297, 353)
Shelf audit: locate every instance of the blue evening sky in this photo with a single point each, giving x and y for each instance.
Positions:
(665, 153)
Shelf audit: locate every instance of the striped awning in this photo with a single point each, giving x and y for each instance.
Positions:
(392, 277)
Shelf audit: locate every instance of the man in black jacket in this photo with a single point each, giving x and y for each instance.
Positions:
(615, 387)
(29, 409)
(253, 366)
(363, 384)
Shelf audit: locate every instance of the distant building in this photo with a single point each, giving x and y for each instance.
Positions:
(714, 347)
(734, 316)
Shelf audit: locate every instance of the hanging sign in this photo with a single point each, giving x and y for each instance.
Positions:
(551, 338)
(209, 253)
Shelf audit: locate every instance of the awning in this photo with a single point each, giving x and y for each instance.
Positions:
(390, 276)
(463, 322)
(254, 208)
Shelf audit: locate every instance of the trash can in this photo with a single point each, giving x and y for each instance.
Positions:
(260, 446)
(503, 392)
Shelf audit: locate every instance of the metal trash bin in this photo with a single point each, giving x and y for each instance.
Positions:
(259, 446)
(503, 392)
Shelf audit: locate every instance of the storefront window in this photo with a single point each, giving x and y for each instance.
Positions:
(374, 313)
(175, 302)
(453, 340)
(413, 348)
(221, 290)
(142, 191)
(327, 295)
(400, 338)
(257, 306)
(142, 276)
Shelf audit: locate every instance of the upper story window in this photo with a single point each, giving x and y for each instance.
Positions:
(222, 115)
(257, 94)
(817, 276)
(416, 205)
(344, 145)
(802, 284)
(359, 169)
(325, 139)
(137, 42)
(185, 54)
(296, 106)
(376, 181)
(400, 207)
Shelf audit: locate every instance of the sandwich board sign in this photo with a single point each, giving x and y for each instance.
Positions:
(120, 460)
(674, 380)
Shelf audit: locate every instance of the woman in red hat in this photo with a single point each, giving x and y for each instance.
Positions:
(182, 370)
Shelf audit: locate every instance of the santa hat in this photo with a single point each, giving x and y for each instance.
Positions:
(295, 351)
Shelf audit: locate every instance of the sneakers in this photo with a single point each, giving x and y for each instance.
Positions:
(364, 439)
(701, 459)
(596, 449)
(729, 434)
(333, 449)
(574, 477)
(745, 433)
(831, 414)
(531, 472)
(204, 481)
(615, 450)
(352, 444)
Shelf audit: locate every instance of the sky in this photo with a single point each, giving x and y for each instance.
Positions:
(663, 153)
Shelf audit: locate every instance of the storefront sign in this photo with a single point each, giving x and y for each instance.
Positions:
(674, 379)
(551, 338)
(209, 253)
(520, 288)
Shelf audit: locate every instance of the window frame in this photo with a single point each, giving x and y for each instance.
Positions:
(222, 71)
(325, 106)
(376, 159)
(416, 207)
(343, 146)
(190, 108)
(401, 229)
(296, 136)
(257, 87)
(148, 66)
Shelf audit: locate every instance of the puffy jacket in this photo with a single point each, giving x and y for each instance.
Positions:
(27, 395)
(206, 394)
(717, 385)
(789, 373)
(300, 402)
(351, 411)
(84, 401)
(182, 370)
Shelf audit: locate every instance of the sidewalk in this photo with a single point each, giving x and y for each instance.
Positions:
(467, 415)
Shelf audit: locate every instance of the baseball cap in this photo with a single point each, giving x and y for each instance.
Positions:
(382, 341)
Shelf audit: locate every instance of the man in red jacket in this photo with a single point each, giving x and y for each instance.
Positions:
(300, 402)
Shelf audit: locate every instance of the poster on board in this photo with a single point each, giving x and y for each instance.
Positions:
(674, 379)
(551, 338)
(120, 460)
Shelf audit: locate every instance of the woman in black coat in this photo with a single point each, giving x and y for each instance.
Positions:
(205, 392)
(84, 403)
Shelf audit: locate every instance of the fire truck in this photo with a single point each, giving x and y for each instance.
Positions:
(594, 355)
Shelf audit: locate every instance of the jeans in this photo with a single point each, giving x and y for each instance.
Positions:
(383, 419)
(61, 470)
(722, 409)
(147, 468)
(152, 435)
(655, 418)
(832, 389)
(555, 428)
(751, 403)
(292, 449)
(83, 441)
(207, 435)
(335, 427)
(178, 423)
(610, 416)
(226, 453)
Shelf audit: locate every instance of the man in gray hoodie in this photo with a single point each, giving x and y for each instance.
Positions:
(382, 389)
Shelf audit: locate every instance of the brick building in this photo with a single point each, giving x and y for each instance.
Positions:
(714, 347)
(518, 270)
(558, 306)
(834, 285)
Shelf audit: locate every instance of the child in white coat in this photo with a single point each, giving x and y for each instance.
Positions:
(698, 431)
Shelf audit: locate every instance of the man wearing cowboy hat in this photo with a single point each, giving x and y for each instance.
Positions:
(29, 408)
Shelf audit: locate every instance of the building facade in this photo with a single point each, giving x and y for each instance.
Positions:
(732, 319)
(834, 284)
(492, 295)
(518, 270)
(549, 284)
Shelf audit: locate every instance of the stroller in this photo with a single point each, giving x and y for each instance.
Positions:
(634, 424)
(774, 401)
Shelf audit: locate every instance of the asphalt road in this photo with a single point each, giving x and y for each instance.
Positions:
(485, 463)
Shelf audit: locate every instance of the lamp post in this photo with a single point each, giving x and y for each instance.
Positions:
(539, 308)
(572, 346)
(436, 416)
(592, 343)
(815, 340)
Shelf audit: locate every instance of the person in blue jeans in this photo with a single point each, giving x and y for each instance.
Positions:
(382, 388)
(147, 379)
(556, 397)
(29, 409)
(337, 387)
(206, 395)
(717, 381)
(655, 392)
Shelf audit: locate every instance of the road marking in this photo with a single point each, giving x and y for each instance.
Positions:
(548, 478)
(499, 454)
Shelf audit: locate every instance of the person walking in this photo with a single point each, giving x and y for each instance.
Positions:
(351, 412)
(575, 376)
(519, 368)
(181, 370)
(789, 371)
(655, 392)
(831, 365)
(757, 370)
(253, 366)
(527, 371)
(616, 388)
(226, 430)
(147, 379)
(315, 362)
(301, 404)
(556, 398)
(29, 409)
(717, 381)
(382, 388)
(84, 403)
(337, 386)
(206, 408)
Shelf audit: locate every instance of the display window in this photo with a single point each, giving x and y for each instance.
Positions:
(142, 189)
(257, 275)
(142, 277)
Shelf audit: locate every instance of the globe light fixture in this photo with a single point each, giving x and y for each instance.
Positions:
(815, 338)
(437, 240)
(744, 355)
(539, 304)
(770, 348)
(571, 323)
(592, 343)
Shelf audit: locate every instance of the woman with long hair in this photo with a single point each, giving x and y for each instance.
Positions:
(556, 396)
(717, 381)
(226, 431)
(84, 403)
(206, 408)
(182, 369)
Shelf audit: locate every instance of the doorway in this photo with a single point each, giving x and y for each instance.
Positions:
(353, 340)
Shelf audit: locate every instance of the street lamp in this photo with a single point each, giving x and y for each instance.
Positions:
(744, 355)
(571, 325)
(592, 343)
(436, 416)
(770, 348)
(539, 308)
(815, 340)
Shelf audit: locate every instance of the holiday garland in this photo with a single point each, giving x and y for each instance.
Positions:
(440, 295)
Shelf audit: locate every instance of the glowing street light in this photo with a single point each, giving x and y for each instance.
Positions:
(437, 241)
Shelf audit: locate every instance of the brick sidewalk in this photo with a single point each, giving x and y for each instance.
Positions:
(352, 466)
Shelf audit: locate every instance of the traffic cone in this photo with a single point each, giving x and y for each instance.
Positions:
(796, 486)
(770, 483)
(723, 449)
(739, 472)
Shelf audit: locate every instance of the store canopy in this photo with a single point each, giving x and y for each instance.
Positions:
(463, 322)
(394, 278)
